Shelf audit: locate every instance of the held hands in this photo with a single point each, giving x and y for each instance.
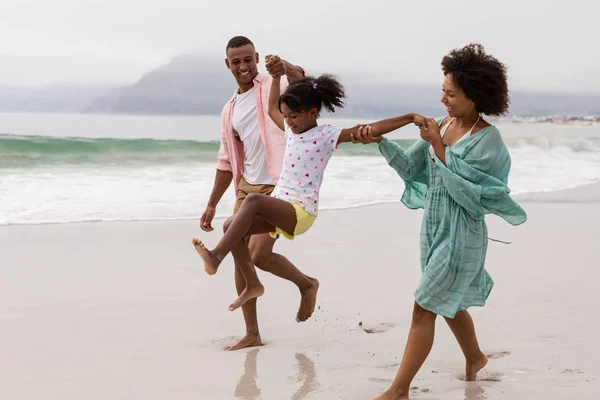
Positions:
(276, 67)
(364, 135)
(419, 120)
(206, 219)
(430, 131)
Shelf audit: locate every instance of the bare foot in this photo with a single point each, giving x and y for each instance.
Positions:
(472, 369)
(247, 341)
(392, 396)
(308, 301)
(211, 261)
(249, 292)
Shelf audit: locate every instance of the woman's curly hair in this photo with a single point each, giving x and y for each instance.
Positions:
(480, 76)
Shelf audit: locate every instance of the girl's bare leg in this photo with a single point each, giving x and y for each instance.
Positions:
(418, 346)
(464, 332)
(258, 214)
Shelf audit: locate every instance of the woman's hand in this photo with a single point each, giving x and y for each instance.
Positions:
(364, 135)
(430, 131)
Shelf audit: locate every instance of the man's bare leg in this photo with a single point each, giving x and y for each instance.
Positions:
(261, 250)
(252, 337)
(464, 331)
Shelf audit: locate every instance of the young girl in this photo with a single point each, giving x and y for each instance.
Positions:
(293, 206)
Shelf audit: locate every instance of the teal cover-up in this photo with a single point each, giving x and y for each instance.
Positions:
(455, 198)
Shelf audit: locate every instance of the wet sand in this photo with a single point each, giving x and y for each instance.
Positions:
(126, 311)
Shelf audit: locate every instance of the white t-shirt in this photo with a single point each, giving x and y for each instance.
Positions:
(245, 123)
(306, 157)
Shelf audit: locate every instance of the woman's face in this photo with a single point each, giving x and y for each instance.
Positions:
(456, 102)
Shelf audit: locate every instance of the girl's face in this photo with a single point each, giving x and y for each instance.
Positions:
(299, 121)
(456, 102)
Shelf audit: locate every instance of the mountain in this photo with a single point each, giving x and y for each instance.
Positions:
(542, 104)
(189, 84)
(199, 84)
(64, 98)
(195, 84)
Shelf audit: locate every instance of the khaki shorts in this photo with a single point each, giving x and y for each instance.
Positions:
(244, 189)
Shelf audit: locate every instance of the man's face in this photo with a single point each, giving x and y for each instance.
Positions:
(243, 61)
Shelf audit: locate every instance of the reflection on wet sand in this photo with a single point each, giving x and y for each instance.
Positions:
(307, 375)
(474, 392)
(247, 387)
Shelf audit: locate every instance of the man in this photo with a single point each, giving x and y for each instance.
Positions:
(251, 155)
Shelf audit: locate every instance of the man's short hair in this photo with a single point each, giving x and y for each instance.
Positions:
(238, 41)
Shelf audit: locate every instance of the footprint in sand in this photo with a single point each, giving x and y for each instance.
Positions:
(491, 377)
(572, 371)
(225, 343)
(385, 366)
(416, 389)
(221, 342)
(499, 354)
(377, 328)
(381, 380)
(484, 377)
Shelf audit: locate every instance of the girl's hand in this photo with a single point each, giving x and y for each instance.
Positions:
(419, 120)
(275, 66)
(364, 135)
(430, 131)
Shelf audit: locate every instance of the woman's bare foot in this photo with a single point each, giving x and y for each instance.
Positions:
(308, 301)
(392, 396)
(211, 260)
(249, 292)
(473, 368)
(247, 341)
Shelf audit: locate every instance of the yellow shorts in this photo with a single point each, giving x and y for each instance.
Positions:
(304, 221)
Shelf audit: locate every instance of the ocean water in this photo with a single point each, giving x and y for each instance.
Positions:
(74, 168)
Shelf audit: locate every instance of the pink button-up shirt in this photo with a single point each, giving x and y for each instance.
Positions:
(231, 152)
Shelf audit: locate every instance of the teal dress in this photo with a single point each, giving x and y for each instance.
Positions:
(455, 198)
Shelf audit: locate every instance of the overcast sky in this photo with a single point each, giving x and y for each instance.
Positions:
(548, 45)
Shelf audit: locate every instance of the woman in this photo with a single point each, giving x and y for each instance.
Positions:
(457, 174)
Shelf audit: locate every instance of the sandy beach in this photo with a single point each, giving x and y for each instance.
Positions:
(125, 311)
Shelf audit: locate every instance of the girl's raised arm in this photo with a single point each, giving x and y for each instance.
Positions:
(274, 112)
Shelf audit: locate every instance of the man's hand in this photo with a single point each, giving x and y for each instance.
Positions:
(206, 219)
(276, 67)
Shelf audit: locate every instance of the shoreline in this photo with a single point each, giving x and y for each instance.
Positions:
(588, 193)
